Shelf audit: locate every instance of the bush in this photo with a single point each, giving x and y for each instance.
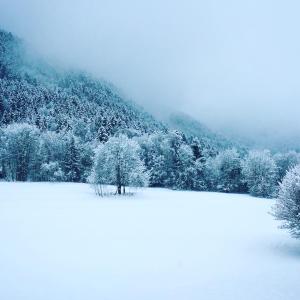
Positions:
(51, 172)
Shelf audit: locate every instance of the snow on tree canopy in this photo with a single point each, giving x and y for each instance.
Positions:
(117, 162)
(287, 207)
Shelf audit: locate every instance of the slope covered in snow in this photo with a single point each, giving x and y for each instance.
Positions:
(34, 92)
(194, 128)
(60, 241)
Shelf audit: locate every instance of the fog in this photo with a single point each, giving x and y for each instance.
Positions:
(233, 65)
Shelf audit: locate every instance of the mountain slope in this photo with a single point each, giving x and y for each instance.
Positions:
(33, 92)
(193, 128)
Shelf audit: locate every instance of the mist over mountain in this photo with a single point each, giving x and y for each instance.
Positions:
(28, 74)
(36, 93)
(230, 65)
(193, 128)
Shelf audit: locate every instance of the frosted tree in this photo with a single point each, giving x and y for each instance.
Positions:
(2, 154)
(186, 170)
(101, 171)
(72, 161)
(156, 154)
(158, 174)
(51, 172)
(175, 141)
(199, 179)
(228, 169)
(196, 148)
(285, 161)
(118, 162)
(260, 173)
(19, 149)
(210, 174)
(53, 147)
(86, 160)
(287, 207)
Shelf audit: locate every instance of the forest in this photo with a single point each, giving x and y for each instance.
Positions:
(70, 126)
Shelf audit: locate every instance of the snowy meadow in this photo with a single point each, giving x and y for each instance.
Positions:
(61, 241)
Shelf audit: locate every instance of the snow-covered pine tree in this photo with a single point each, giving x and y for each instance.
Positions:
(199, 180)
(287, 206)
(196, 147)
(72, 160)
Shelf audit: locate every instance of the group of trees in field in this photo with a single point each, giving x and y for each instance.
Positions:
(28, 154)
(161, 159)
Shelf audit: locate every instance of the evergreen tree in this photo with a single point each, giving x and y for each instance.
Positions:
(72, 161)
(196, 148)
(199, 179)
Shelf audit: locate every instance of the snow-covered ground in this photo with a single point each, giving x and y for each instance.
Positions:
(61, 242)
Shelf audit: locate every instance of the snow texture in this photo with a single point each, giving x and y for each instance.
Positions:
(59, 241)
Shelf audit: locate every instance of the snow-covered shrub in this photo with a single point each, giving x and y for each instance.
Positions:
(287, 207)
(51, 172)
(117, 162)
(260, 173)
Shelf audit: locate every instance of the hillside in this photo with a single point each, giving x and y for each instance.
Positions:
(32, 91)
(193, 128)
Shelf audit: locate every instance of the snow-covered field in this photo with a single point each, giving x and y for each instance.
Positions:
(61, 242)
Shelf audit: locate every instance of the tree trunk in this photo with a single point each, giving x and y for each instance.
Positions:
(119, 185)
(124, 189)
(119, 189)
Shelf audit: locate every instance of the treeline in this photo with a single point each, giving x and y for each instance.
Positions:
(28, 154)
(162, 159)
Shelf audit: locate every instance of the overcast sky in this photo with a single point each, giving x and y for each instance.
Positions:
(231, 64)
